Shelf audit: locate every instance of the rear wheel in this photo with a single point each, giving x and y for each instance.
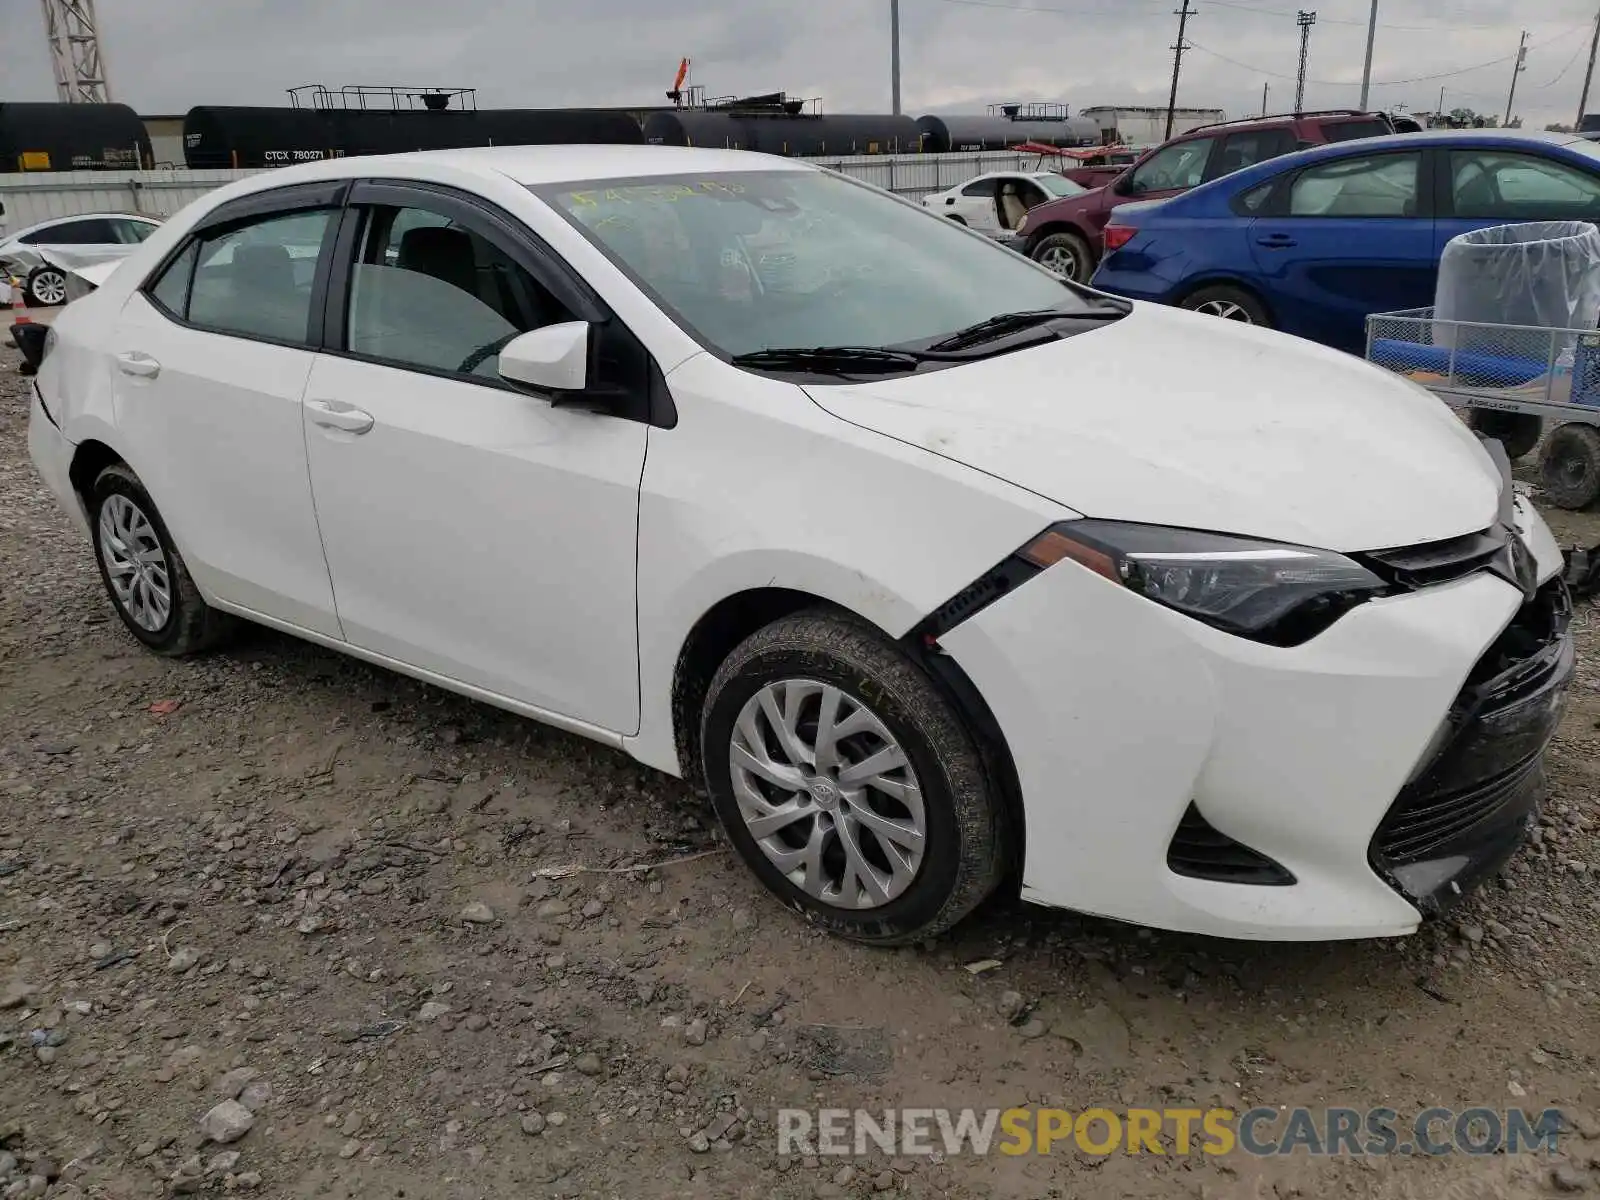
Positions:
(46, 287)
(1229, 303)
(1570, 466)
(1065, 254)
(143, 572)
(959, 220)
(848, 783)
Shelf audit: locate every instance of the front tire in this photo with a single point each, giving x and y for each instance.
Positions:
(848, 783)
(1570, 466)
(46, 287)
(143, 572)
(1065, 254)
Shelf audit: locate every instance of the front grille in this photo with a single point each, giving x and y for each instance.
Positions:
(1422, 827)
(1433, 563)
(1201, 851)
(1468, 805)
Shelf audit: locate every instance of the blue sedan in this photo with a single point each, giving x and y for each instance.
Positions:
(1312, 242)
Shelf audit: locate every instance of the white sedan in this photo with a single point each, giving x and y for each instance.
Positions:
(996, 203)
(1250, 638)
(89, 237)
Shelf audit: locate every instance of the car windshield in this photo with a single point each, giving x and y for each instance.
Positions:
(1057, 186)
(759, 260)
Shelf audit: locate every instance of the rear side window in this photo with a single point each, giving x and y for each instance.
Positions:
(253, 279)
(1346, 131)
(171, 291)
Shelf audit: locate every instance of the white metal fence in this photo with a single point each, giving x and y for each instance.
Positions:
(30, 198)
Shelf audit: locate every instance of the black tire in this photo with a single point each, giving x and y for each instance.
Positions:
(965, 849)
(1519, 433)
(191, 625)
(46, 287)
(959, 220)
(1065, 252)
(1570, 466)
(1241, 306)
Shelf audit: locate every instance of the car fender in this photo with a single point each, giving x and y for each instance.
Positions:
(808, 503)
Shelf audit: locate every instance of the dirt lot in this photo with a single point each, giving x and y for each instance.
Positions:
(278, 875)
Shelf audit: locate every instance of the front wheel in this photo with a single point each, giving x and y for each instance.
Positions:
(46, 287)
(143, 572)
(1066, 254)
(1229, 303)
(848, 783)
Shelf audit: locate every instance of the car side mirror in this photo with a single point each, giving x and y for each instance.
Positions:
(552, 359)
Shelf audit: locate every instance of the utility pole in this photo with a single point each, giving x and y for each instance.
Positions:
(894, 55)
(1517, 68)
(1264, 88)
(1366, 70)
(1441, 101)
(1183, 15)
(1588, 76)
(1305, 20)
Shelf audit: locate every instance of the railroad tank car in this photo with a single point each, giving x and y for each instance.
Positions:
(801, 136)
(72, 137)
(270, 137)
(948, 135)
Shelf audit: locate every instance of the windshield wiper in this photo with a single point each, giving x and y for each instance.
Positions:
(832, 359)
(1011, 322)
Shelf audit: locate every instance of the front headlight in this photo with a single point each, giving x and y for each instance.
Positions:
(1266, 591)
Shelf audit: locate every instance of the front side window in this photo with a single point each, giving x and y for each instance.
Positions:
(1173, 168)
(94, 231)
(1379, 185)
(427, 293)
(1493, 185)
(131, 233)
(758, 260)
(1249, 147)
(256, 279)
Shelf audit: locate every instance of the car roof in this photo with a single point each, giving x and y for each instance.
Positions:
(537, 165)
(88, 216)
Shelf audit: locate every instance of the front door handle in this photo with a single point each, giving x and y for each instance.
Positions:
(1276, 241)
(351, 420)
(140, 365)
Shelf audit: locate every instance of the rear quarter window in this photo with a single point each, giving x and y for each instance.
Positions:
(1347, 131)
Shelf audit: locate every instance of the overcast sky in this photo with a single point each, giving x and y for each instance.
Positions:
(958, 55)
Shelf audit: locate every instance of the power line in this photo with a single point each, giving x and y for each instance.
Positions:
(1049, 10)
(1493, 62)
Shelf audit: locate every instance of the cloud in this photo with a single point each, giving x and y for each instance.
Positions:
(167, 55)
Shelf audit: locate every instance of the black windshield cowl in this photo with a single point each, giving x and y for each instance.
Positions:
(1014, 322)
(833, 360)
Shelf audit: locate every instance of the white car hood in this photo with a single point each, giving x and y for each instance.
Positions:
(1173, 418)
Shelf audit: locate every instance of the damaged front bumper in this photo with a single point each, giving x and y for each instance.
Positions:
(1471, 801)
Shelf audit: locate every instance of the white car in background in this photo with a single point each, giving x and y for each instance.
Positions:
(88, 237)
(996, 203)
(1251, 638)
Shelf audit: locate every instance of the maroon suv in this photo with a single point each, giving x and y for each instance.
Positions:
(1065, 235)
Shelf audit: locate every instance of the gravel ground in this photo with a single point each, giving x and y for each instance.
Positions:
(276, 923)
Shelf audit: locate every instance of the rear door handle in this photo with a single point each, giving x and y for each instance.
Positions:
(1276, 241)
(141, 365)
(351, 420)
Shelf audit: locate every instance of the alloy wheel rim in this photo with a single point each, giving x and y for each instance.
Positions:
(1060, 260)
(50, 287)
(828, 794)
(135, 563)
(1226, 309)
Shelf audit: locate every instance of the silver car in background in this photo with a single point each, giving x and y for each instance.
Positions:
(87, 238)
